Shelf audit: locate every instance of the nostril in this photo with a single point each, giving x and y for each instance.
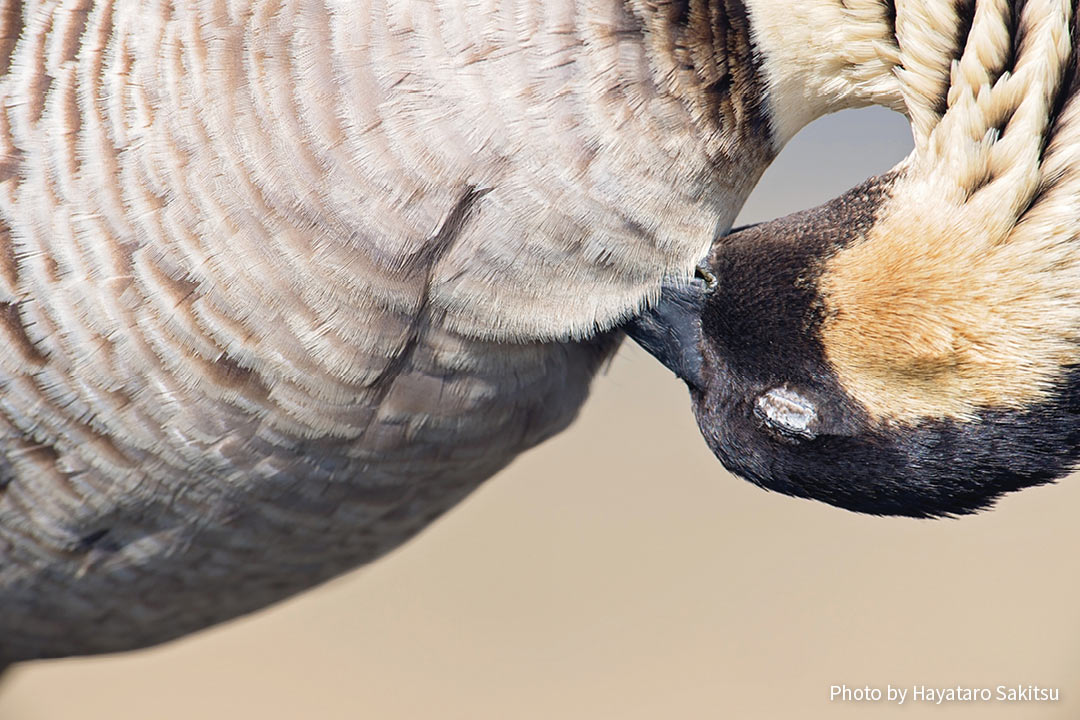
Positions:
(787, 412)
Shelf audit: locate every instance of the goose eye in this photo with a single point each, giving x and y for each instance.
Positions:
(787, 412)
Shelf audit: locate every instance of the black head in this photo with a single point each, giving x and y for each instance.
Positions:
(773, 410)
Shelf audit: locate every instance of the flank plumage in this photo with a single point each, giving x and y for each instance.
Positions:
(912, 347)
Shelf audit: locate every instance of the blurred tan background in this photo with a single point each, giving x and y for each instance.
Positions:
(618, 572)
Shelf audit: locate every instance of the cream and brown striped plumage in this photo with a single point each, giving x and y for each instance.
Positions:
(282, 280)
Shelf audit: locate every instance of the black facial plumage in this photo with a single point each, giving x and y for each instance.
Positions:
(773, 410)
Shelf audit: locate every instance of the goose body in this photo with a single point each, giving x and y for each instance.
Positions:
(283, 281)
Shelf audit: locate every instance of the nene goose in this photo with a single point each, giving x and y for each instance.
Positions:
(282, 281)
(912, 347)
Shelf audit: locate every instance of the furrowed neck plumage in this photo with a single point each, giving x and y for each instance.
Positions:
(820, 56)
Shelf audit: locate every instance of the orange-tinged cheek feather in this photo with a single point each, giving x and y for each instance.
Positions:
(941, 329)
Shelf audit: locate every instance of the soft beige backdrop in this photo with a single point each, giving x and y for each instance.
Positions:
(619, 572)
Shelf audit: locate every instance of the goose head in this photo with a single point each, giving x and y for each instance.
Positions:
(780, 392)
(913, 346)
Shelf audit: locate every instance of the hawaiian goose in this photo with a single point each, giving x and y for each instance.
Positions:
(283, 280)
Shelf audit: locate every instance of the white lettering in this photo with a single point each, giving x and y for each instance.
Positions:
(942, 695)
(857, 694)
(1030, 693)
